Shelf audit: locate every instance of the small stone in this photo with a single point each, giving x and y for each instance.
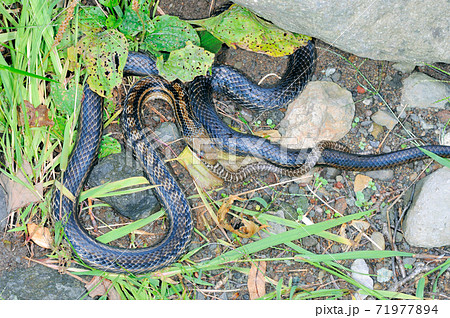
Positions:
(360, 89)
(384, 175)
(377, 129)
(121, 166)
(360, 273)
(309, 241)
(274, 227)
(330, 71)
(367, 101)
(384, 275)
(336, 76)
(378, 239)
(324, 111)
(385, 119)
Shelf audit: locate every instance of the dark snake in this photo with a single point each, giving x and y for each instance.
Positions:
(196, 115)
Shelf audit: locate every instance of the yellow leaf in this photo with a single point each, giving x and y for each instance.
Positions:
(204, 178)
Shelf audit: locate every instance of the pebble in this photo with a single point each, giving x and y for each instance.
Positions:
(383, 118)
(383, 175)
(360, 273)
(367, 101)
(378, 238)
(384, 275)
(309, 241)
(336, 76)
(330, 71)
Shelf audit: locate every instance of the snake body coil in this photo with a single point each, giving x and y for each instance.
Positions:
(197, 115)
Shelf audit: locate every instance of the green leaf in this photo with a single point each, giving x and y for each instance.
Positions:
(186, 63)
(108, 146)
(170, 33)
(112, 22)
(132, 22)
(210, 42)
(101, 52)
(109, 3)
(65, 98)
(91, 19)
(238, 26)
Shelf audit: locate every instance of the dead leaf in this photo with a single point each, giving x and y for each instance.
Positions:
(204, 178)
(361, 182)
(271, 134)
(256, 282)
(360, 224)
(99, 286)
(248, 229)
(40, 235)
(18, 194)
(37, 116)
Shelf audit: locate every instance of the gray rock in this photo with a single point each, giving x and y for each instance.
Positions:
(428, 220)
(39, 282)
(3, 208)
(385, 119)
(422, 91)
(384, 275)
(121, 166)
(403, 67)
(360, 273)
(324, 111)
(384, 175)
(407, 31)
(167, 132)
(309, 241)
(274, 227)
(378, 239)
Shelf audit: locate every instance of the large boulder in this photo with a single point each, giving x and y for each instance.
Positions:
(405, 31)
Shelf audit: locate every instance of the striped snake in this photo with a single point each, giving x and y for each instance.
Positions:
(197, 118)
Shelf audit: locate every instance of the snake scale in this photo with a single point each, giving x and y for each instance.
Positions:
(196, 116)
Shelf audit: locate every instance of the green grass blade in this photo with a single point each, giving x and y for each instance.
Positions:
(352, 255)
(127, 229)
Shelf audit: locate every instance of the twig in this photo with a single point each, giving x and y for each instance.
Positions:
(421, 268)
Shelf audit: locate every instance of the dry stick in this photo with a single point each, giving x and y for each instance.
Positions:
(417, 271)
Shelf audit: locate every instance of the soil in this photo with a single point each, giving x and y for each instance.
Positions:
(286, 195)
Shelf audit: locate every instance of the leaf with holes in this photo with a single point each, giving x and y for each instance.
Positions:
(135, 22)
(186, 63)
(239, 27)
(105, 55)
(169, 34)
